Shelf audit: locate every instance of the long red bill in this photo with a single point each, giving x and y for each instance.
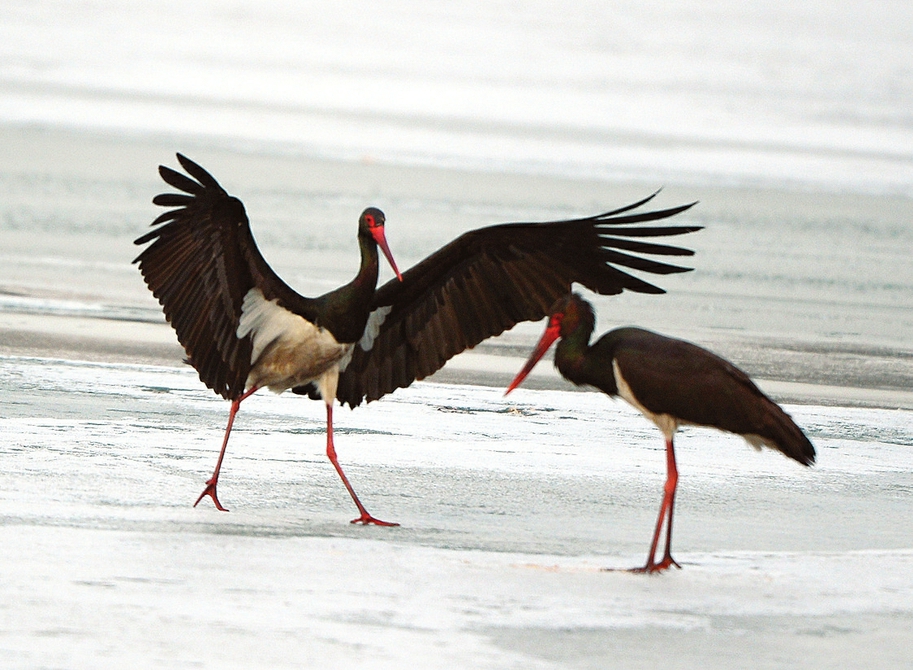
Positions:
(381, 239)
(552, 333)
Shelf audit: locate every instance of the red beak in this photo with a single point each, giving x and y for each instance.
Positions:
(552, 333)
(381, 238)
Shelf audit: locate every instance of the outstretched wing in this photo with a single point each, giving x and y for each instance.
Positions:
(490, 279)
(202, 262)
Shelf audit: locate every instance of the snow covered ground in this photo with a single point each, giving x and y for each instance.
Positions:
(510, 510)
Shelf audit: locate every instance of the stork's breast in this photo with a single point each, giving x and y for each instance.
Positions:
(286, 349)
(667, 423)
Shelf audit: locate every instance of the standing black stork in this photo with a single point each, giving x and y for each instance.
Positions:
(243, 328)
(672, 383)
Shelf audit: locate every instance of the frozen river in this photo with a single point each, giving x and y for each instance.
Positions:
(510, 508)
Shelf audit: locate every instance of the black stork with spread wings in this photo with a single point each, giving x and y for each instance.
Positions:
(243, 328)
(672, 382)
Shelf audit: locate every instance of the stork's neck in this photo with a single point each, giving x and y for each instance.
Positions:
(366, 280)
(345, 311)
(357, 294)
(572, 349)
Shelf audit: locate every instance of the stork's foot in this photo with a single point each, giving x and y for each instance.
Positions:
(652, 567)
(366, 519)
(210, 491)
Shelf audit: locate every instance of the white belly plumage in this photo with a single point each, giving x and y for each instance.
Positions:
(287, 350)
(665, 422)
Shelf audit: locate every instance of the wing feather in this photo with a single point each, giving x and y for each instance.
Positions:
(490, 279)
(644, 247)
(181, 182)
(200, 264)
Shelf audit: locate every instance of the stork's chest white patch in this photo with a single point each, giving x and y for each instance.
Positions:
(665, 422)
(286, 349)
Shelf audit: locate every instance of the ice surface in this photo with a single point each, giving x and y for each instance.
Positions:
(510, 509)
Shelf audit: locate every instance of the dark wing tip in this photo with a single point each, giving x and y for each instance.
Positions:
(613, 218)
(672, 211)
(151, 235)
(198, 173)
(172, 200)
(180, 181)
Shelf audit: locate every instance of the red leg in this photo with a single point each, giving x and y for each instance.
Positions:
(365, 518)
(213, 481)
(667, 507)
(671, 487)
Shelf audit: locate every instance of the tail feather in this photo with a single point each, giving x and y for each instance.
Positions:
(780, 432)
